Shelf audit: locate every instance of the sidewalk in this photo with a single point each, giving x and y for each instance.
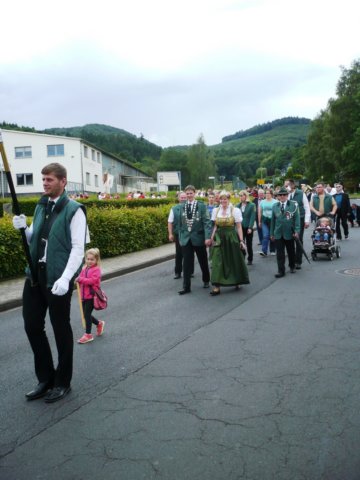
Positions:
(11, 290)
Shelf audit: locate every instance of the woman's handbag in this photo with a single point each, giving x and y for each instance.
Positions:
(100, 299)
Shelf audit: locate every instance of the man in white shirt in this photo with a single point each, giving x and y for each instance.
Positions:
(56, 240)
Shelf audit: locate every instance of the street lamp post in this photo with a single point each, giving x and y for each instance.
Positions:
(212, 178)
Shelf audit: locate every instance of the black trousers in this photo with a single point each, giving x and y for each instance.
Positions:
(280, 245)
(179, 258)
(298, 251)
(88, 307)
(248, 238)
(341, 219)
(37, 300)
(188, 252)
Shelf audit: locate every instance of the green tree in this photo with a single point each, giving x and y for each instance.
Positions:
(201, 163)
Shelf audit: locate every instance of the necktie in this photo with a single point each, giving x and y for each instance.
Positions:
(282, 208)
(189, 210)
(45, 229)
(49, 208)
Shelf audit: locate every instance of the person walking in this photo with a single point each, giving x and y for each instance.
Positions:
(264, 221)
(227, 260)
(56, 240)
(343, 211)
(174, 235)
(194, 227)
(89, 281)
(285, 226)
(298, 195)
(248, 211)
(258, 197)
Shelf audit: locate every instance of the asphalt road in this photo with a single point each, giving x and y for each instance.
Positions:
(256, 384)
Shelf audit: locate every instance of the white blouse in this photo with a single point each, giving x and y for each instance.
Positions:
(218, 212)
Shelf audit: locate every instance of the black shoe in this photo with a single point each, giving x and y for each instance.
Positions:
(39, 391)
(184, 290)
(177, 276)
(298, 266)
(292, 270)
(206, 285)
(279, 275)
(346, 237)
(57, 393)
(214, 292)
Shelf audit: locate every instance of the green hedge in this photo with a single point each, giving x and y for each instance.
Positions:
(12, 258)
(113, 231)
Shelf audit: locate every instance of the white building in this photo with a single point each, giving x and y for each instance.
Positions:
(89, 168)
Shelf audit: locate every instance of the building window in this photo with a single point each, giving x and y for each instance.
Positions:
(86, 151)
(98, 158)
(23, 152)
(96, 180)
(88, 178)
(93, 155)
(55, 150)
(24, 179)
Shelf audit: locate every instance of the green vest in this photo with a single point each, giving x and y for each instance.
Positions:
(176, 212)
(327, 203)
(59, 240)
(298, 197)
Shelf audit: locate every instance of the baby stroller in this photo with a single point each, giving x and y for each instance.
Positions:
(324, 239)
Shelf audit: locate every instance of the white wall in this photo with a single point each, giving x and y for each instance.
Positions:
(73, 159)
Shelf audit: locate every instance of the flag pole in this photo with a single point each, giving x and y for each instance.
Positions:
(16, 209)
(80, 305)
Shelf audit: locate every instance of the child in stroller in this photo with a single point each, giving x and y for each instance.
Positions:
(323, 232)
(324, 239)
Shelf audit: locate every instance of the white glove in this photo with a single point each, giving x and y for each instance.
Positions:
(60, 287)
(19, 221)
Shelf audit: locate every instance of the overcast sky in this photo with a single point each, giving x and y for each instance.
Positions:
(172, 69)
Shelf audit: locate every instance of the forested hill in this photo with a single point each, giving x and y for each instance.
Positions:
(113, 140)
(265, 127)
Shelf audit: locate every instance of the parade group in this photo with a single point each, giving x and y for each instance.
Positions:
(56, 240)
(227, 229)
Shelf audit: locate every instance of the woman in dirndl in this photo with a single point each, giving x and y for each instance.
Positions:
(228, 266)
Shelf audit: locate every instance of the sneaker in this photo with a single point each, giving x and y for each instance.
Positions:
(100, 328)
(263, 254)
(86, 338)
(272, 254)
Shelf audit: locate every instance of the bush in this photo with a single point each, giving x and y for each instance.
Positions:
(12, 257)
(116, 232)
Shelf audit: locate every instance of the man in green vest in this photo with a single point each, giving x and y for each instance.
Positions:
(194, 227)
(56, 239)
(322, 203)
(173, 222)
(300, 197)
(285, 226)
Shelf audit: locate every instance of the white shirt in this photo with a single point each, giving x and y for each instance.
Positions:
(217, 212)
(79, 233)
(306, 206)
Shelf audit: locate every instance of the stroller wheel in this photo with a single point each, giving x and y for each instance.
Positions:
(314, 257)
(338, 251)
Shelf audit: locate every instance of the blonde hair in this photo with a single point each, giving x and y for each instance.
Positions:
(246, 193)
(224, 193)
(96, 253)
